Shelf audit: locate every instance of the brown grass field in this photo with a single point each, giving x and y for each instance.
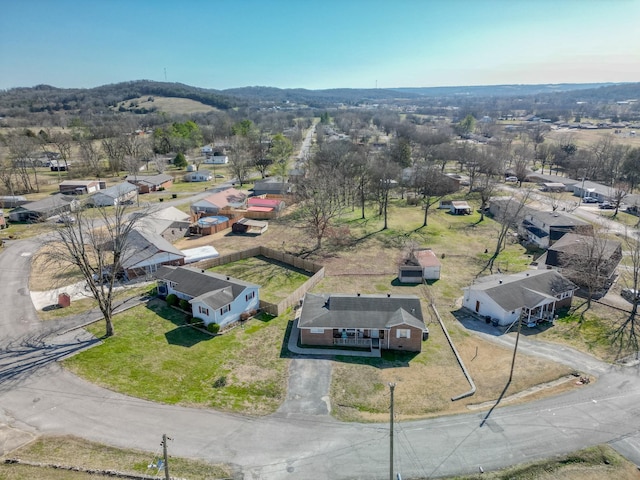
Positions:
(180, 106)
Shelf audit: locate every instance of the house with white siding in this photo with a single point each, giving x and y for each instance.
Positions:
(533, 295)
(213, 297)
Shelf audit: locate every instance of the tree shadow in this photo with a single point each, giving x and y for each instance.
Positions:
(30, 354)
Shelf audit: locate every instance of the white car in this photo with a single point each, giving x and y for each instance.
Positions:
(511, 179)
(589, 200)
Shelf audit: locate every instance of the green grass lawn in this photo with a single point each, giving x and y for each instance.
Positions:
(241, 370)
(277, 280)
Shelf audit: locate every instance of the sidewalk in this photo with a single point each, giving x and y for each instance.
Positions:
(76, 291)
(294, 348)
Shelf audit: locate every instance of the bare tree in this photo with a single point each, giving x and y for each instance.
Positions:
(319, 201)
(97, 247)
(509, 216)
(432, 186)
(625, 335)
(383, 179)
(115, 152)
(21, 150)
(62, 142)
(240, 161)
(91, 157)
(486, 188)
(618, 192)
(590, 261)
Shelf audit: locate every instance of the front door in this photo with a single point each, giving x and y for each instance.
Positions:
(375, 333)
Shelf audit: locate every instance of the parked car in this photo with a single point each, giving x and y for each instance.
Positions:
(606, 206)
(218, 175)
(629, 294)
(511, 179)
(589, 200)
(66, 219)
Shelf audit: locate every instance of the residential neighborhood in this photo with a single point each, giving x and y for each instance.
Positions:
(375, 282)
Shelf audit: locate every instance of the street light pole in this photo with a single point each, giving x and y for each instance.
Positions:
(391, 387)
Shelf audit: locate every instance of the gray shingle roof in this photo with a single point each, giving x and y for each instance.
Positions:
(143, 244)
(524, 289)
(364, 311)
(195, 282)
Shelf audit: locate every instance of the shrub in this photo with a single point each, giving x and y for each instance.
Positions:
(172, 299)
(184, 305)
(213, 328)
(220, 382)
(196, 321)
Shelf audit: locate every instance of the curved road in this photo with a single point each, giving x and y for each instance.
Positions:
(39, 397)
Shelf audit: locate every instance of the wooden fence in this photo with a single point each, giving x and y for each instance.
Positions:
(286, 258)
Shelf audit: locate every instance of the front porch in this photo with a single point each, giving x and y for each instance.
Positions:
(358, 338)
(541, 313)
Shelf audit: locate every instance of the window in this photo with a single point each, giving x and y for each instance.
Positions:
(225, 309)
(403, 333)
(249, 296)
(203, 310)
(317, 330)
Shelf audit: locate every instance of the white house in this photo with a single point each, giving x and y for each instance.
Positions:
(216, 159)
(213, 297)
(122, 192)
(199, 176)
(534, 295)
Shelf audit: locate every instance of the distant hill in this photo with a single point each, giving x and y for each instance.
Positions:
(501, 90)
(43, 98)
(137, 96)
(319, 97)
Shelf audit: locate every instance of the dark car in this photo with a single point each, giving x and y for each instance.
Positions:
(606, 206)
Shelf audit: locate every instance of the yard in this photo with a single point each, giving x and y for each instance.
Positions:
(240, 371)
(277, 280)
(248, 374)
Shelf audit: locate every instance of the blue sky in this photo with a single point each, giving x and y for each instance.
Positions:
(318, 43)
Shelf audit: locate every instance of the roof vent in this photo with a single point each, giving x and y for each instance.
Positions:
(388, 295)
(527, 274)
(500, 282)
(228, 278)
(202, 271)
(358, 294)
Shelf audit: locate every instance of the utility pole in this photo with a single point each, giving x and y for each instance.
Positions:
(166, 456)
(391, 387)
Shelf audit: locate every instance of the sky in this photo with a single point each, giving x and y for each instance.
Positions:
(318, 44)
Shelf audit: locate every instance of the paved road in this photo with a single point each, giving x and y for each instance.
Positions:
(39, 397)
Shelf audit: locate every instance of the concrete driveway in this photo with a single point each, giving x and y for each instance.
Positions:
(308, 389)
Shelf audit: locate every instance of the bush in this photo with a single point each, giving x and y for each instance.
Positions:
(213, 328)
(196, 321)
(172, 299)
(184, 305)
